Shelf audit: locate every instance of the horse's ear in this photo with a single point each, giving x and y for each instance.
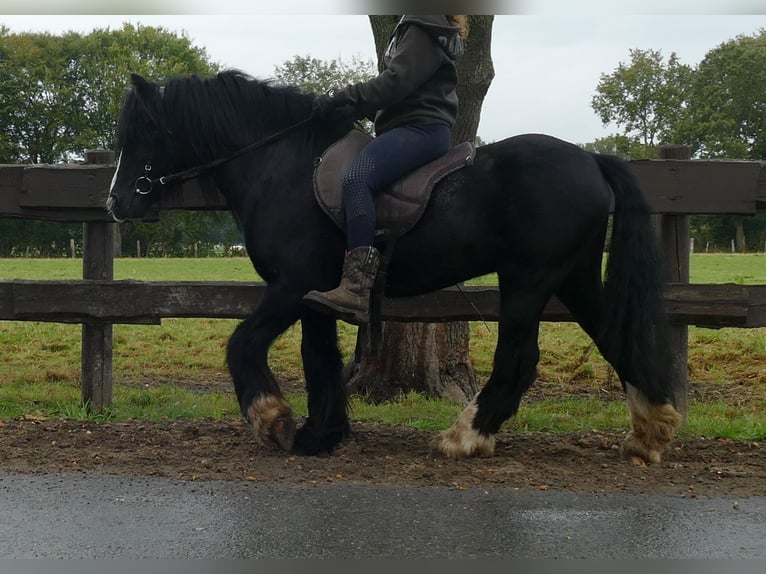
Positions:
(140, 84)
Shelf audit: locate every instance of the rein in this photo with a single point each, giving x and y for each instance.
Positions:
(145, 184)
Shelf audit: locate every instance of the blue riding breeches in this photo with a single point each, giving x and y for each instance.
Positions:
(385, 159)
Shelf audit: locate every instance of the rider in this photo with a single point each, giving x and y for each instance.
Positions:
(414, 103)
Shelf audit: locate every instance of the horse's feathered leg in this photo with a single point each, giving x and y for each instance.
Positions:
(513, 372)
(653, 424)
(258, 392)
(583, 294)
(327, 424)
(633, 334)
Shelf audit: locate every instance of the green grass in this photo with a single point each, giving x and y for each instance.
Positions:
(42, 400)
(161, 269)
(40, 366)
(62, 400)
(704, 268)
(744, 269)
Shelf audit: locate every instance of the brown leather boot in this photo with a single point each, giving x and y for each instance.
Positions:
(350, 301)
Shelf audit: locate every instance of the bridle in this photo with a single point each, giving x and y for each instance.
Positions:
(145, 184)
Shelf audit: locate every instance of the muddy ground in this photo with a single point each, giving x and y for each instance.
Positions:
(224, 450)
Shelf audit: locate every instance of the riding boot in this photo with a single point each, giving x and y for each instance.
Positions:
(350, 301)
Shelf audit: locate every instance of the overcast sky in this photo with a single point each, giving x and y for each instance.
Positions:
(547, 62)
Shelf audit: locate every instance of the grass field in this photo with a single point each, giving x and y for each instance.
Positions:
(177, 369)
(704, 268)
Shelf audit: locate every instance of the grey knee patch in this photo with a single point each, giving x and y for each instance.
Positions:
(357, 195)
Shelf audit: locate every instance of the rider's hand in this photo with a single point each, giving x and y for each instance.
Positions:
(324, 104)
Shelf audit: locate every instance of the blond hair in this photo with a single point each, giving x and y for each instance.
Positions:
(462, 22)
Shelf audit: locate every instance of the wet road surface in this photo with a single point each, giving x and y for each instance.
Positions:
(91, 516)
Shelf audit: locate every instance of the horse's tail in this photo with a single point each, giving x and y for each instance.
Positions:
(634, 336)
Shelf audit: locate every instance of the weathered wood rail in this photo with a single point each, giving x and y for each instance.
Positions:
(142, 302)
(675, 186)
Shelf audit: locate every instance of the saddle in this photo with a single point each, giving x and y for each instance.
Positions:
(398, 207)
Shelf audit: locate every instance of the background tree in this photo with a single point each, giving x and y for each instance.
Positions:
(182, 234)
(109, 56)
(432, 358)
(320, 76)
(718, 109)
(38, 96)
(726, 119)
(726, 116)
(61, 95)
(37, 106)
(622, 146)
(645, 98)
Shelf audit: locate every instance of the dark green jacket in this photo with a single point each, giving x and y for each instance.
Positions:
(417, 85)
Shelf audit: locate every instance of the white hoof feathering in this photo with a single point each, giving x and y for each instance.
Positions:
(652, 428)
(461, 440)
(272, 420)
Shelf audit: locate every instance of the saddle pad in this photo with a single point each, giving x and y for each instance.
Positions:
(399, 206)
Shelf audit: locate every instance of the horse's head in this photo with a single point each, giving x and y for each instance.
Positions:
(143, 151)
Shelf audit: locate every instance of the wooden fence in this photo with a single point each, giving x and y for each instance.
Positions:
(675, 186)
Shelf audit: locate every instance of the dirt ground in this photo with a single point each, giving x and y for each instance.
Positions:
(215, 450)
(225, 450)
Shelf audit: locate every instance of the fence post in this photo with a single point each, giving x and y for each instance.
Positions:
(97, 263)
(674, 234)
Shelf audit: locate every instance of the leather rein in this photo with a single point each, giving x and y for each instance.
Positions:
(145, 184)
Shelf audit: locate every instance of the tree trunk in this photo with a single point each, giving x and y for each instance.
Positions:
(431, 358)
(382, 26)
(475, 73)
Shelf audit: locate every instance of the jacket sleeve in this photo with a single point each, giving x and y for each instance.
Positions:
(417, 58)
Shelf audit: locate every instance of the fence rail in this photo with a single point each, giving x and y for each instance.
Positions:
(141, 302)
(675, 187)
(76, 193)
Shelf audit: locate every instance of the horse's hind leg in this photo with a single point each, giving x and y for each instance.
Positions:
(258, 392)
(327, 424)
(653, 419)
(513, 372)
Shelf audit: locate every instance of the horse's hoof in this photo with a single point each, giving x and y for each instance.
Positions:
(282, 432)
(462, 440)
(309, 441)
(272, 421)
(462, 443)
(637, 452)
(653, 426)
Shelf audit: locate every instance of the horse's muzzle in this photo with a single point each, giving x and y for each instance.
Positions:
(111, 203)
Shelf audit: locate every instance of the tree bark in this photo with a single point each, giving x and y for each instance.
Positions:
(431, 358)
(475, 73)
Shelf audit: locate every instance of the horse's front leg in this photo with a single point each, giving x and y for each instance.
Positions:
(260, 398)
(327, 424)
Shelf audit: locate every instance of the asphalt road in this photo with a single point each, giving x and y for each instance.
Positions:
(90, 516)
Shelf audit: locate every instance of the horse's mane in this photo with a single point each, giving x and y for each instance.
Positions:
(214, 115)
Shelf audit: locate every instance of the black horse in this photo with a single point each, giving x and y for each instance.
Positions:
(532, 208)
